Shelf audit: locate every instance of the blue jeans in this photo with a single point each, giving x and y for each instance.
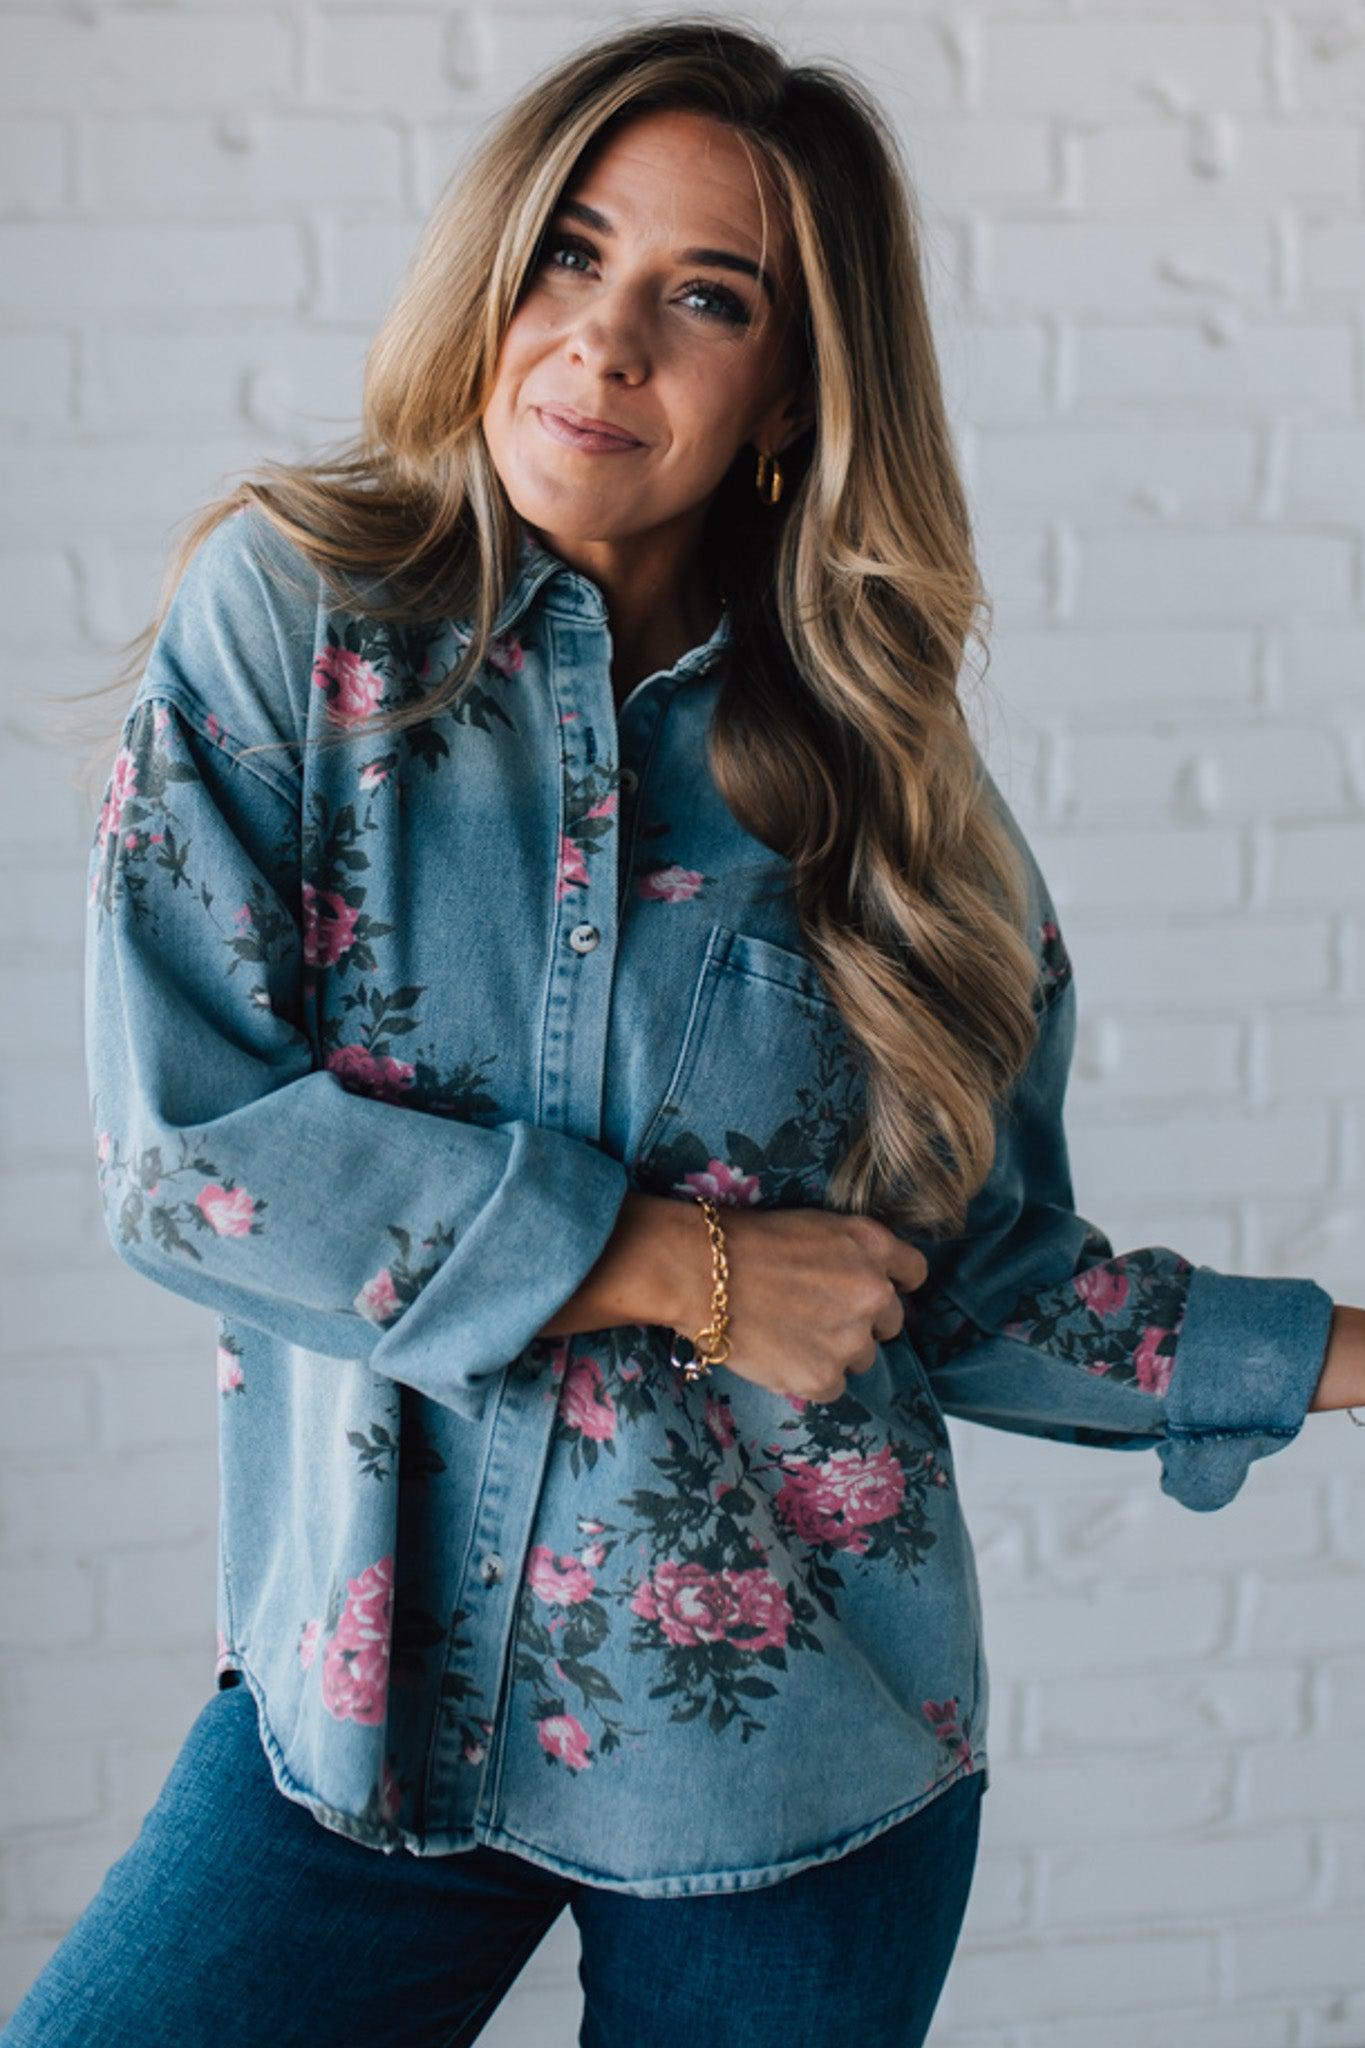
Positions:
(236, 1918)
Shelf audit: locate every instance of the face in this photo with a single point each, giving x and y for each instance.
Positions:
(648, 315)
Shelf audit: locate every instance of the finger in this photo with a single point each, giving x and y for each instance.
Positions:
(906, 1265)
(889, 1321)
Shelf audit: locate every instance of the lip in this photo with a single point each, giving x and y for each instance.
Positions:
(580, 430)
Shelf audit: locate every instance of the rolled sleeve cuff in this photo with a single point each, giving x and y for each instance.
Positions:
(531, 1247)
(1249, 1357)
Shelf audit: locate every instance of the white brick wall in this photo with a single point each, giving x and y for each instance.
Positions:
(1147, 261)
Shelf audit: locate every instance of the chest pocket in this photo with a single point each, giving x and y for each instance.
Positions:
(766, 1089)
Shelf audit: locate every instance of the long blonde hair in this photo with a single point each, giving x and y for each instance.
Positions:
(839, 738)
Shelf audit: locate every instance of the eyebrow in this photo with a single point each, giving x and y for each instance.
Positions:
(723, 259)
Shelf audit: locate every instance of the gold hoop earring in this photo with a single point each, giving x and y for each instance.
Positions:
(769, 495)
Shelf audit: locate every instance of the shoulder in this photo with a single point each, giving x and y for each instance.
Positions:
(1044, 927)
(235, 649)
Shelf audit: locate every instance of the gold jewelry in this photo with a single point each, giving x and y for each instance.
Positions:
(771, 495)
(711, 1345)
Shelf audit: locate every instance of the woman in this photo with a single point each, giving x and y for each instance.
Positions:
(553, 950)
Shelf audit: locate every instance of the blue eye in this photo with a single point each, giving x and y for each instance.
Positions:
(732, 307)
(726, 305)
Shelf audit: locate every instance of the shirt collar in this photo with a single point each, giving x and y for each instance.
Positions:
(537, 568)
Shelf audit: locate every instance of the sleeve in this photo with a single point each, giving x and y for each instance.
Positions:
(234, 1168)
(1029, 1321)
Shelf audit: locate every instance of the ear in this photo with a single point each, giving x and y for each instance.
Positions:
(788, 418)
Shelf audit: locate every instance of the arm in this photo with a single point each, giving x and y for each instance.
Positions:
(1029, 1321)
(234, 1169)
(654, 1264)
(1343, 1378)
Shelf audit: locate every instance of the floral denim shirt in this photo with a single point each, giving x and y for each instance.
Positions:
(378, 1038)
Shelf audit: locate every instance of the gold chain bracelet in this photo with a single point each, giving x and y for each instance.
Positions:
(711, 1345)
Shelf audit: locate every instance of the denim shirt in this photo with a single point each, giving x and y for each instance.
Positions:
(378, 1037)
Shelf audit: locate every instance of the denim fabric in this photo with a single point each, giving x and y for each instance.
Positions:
(378, 1038)
(233, 1919)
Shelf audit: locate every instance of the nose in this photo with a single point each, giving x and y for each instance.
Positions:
(608, 342)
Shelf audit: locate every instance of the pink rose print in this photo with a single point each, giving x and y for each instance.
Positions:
(558, 1579)
(122, 786)
(328, 926)
(224, 1656)
(670, 885)
(474, 1752)
(308, 1642)
(1103, 1288)
(104, 1147)
(942, 1718)
(572, 867)
(584, 1403)
(866, 1489)
(719, 1420)
(564, 1737)
(352, 687)
(692, 1605)
(837, 1500)
(355, 1669)
(605, 807)
(227, 1211)
(1117, 1317)
(378, 1299)
(761, 1606)
(229, 1372)
(371, 775)
(720, 1183)
(371, 1074)
(593, 1553)
(506, 654)
(1153, 1367)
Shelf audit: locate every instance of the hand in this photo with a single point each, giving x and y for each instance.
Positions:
(812, 1294)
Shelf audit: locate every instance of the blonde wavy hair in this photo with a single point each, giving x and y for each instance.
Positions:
(839, 737)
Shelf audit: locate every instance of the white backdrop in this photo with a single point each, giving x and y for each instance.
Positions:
(1147, 249)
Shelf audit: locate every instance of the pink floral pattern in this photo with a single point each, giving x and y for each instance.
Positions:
(1118, 1317)
(701, 1557)
(355, 1665)
(353, 689)
(669, 883)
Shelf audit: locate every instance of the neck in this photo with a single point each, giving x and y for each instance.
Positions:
(661, 594)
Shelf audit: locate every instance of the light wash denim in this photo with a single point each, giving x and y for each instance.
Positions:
(378, 1038)
(233, 1921)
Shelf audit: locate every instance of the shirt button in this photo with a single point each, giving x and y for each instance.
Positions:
(584, 937)
(490, 1570)
(629, 779)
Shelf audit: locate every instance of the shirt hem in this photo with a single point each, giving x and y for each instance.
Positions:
(700, 1884)
(663, 1885)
